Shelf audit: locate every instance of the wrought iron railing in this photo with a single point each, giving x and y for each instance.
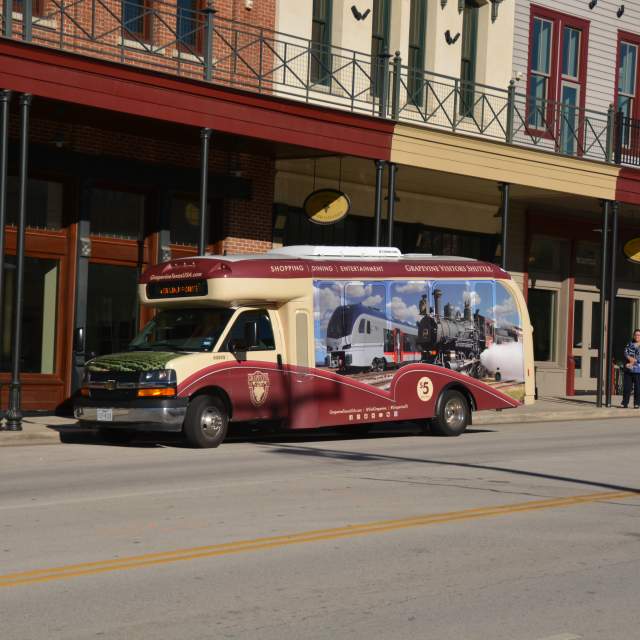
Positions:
(627, 141)
(198, 44)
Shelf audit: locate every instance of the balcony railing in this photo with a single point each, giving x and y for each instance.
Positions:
(198, 44)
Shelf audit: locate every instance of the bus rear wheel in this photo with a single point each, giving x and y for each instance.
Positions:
(378, 364)
(206, 423)
(452, 414)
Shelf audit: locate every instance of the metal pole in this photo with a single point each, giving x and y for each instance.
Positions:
(383, 79)
(604, 262)
(378, 204)
(7, 15)
(14, 414)
(511, 110)
(205, 135)
(612, 298)
(209, 12)
(27, 18)
(391, 204)
(5, 98)
(397, 79)
(504, 188)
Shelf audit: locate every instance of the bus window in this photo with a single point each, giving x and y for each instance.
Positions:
(265, 339)
(368, 326)
(361, 326)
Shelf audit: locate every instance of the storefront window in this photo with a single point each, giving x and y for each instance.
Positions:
(548, 254)
(542, 311)
(587, 259)
(184, 223)
(38, 315)
(627, 271)
(44, 203)
(117, 214)
(450, 242)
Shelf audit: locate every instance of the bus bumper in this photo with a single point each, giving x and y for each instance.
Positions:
(162, 415)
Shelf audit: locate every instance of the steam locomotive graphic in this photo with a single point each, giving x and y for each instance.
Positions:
(363, 338)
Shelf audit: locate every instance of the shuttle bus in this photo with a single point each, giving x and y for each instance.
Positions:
(315, 337)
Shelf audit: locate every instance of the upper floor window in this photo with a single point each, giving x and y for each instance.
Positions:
(380, 22)
(557, 76)
(627, 86)
(189, 26)
(37, 7)
(136, 19)
(321, 42)
(417, 37)
(468, 57)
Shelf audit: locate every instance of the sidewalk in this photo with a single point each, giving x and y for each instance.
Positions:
(45, 429)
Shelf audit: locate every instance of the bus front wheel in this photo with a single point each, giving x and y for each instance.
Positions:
(452, 414)
(206, 423)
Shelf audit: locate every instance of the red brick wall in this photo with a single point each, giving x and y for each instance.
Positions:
(94, 29)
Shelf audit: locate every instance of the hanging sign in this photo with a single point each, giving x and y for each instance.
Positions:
(327, 206)
(632, 250)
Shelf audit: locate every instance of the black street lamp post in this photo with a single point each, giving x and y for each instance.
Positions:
(14, 414)
(5, 98)
(205, 135)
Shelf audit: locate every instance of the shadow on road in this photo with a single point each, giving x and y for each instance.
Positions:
(358, 456)
(243, 433)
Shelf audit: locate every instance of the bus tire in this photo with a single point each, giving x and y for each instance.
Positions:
(453, 414)
(377, 364)
(206, 423)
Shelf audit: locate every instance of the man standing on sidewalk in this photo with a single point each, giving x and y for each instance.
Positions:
(632, 371)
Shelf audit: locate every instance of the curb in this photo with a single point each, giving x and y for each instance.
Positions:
(507, 417)
(43, 433)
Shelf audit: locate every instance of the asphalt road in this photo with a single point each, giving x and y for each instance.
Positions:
(516, 532)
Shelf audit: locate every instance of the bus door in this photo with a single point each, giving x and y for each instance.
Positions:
(257, 389)
(303, 400)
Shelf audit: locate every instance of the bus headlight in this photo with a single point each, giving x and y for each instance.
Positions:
(158, 383)
(160, 377)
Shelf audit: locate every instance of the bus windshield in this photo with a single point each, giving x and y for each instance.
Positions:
(183, 330)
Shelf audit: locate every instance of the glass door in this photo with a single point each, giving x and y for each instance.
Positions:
(586, 340)
(586, 335)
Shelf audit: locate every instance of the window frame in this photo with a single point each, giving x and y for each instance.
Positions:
(633, 39)
(556, 79)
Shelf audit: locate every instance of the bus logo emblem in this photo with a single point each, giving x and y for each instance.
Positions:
(425, 389)
(258, 387)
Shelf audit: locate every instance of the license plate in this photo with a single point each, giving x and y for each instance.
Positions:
(105, 415)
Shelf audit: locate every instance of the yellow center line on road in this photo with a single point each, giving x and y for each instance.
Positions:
(211, 551)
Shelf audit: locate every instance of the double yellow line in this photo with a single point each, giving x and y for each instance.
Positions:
(320, 535)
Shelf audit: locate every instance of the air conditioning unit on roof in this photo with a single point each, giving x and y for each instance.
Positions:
(312, 251)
